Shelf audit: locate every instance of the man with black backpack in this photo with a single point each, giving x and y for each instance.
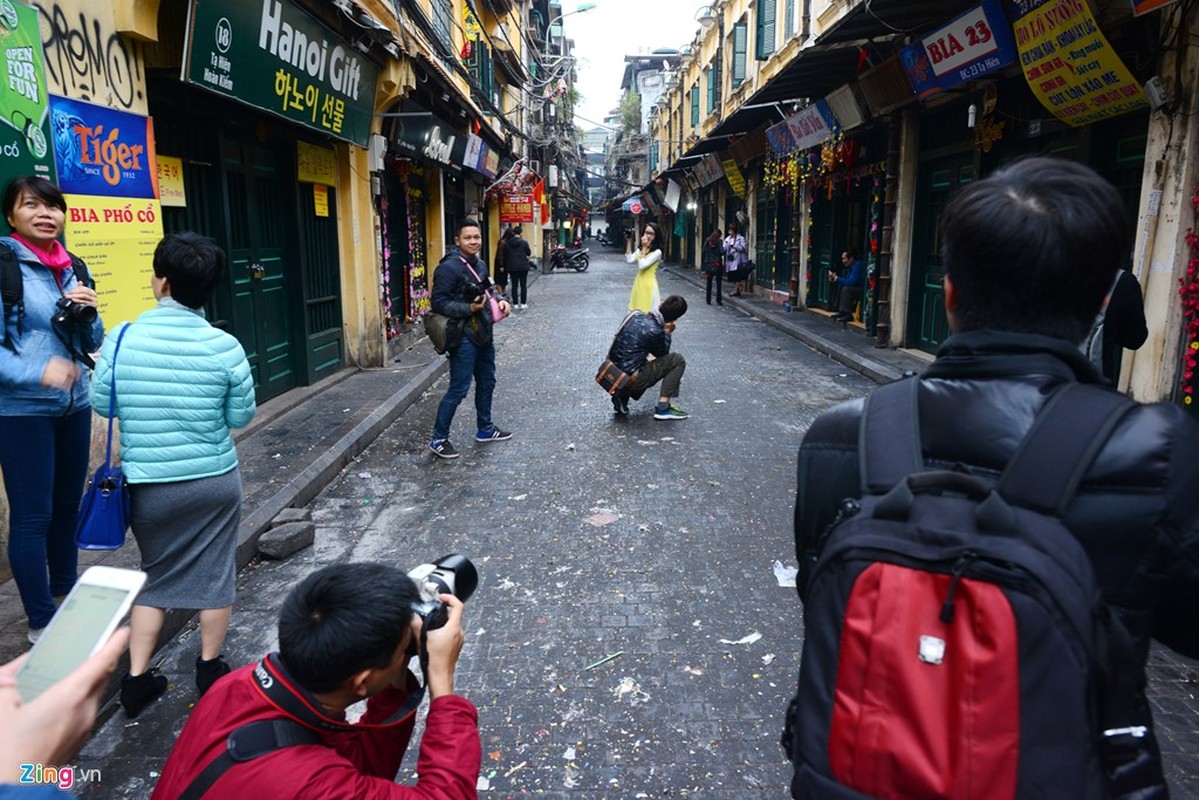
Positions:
(986, 551)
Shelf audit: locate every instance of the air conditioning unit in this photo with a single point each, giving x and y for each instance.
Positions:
(537, 131)
(535, 165)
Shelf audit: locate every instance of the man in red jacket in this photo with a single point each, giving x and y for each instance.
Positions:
(277, 729)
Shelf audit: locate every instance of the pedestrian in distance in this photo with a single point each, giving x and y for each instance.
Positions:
(516, 257)
(346, 634)
(461, 287)
(645, 295)
(736, 256)
(182, 385)
(501, 274)
(641, 335)
(712, 262)
(851, 284)
(50, 325)
(1013, 416)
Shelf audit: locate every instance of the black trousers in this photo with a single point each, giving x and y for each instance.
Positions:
(520, 287)
(719, 280)
(848, 300)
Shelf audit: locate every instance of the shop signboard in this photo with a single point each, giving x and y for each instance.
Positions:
(171, 191)
(1140, 7)
(516, 208)
(424, 137)
(25, 133)
(673, 193)
(974, 44)
(812, 125)
(1069, 64)
(779, 136)
(315, 164)
(736, 179)
(274, 56)
(108, 172)
(708, 170)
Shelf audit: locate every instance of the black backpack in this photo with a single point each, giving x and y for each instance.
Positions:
(12, 288)
(956, 642)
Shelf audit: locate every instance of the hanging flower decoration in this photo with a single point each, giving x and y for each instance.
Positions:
(1189, 292)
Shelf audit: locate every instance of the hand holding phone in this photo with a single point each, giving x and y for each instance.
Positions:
(82, 624)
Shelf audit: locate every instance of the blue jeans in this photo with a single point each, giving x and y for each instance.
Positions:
(45, 464)
(467, 360)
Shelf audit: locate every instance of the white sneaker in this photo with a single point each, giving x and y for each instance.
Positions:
(34, 634)
(524, 305)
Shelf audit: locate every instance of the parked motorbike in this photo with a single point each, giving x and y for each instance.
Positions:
(577, 258)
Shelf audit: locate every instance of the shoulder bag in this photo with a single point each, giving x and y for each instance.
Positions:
(104, 512)
(611, 378)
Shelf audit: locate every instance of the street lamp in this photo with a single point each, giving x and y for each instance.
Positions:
(548, 28)
(706, 17)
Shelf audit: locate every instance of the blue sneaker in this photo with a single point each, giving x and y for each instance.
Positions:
(492, 434)
(671, 412)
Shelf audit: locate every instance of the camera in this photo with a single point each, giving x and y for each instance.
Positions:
(472, 291)
(628, 234)
(452, 574)
(68, 313)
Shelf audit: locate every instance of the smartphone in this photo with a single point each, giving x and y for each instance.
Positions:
(87, 617)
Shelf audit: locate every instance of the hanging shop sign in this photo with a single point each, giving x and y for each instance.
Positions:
(516, 208)
(812, 125)
(25, 132)
(673, 193)
(315, 164)
(424, 137)
(477, 156)
(102, 151)
(977, 43)
(171, 190)
(780, 139)
(736, 179)
(1069, 64)
(1140, 7)
(708, 170)
(274, 56)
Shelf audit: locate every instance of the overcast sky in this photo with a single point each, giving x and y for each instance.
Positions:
(614, 28)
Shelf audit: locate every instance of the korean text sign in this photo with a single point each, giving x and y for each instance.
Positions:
(272, 55)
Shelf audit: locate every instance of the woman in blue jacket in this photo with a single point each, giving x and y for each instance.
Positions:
(181, 386)
(50, 325)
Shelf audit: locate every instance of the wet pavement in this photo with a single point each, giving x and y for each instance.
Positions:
(630, 636)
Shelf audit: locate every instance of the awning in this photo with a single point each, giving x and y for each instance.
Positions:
(871, 19)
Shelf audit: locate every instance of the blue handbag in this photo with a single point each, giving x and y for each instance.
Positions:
(104, 512)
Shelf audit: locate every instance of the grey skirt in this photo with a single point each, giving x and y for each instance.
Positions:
(187, 534)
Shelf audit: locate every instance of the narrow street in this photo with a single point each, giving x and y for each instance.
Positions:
(646, 545)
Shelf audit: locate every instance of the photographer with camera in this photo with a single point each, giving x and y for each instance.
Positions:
(462, 292)
(278, 729)
(50, 326)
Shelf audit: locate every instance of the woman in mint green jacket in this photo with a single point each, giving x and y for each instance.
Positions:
(182, 384)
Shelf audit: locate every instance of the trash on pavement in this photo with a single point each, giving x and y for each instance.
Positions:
(604, 660)
(753, 637)
(785, 574)
(600, 520)
(631, 689)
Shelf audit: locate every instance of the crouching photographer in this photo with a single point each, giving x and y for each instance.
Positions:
(278, 729)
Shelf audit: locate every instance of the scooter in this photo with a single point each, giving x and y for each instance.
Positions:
(576, 259)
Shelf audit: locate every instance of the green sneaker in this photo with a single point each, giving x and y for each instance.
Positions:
(671, 412)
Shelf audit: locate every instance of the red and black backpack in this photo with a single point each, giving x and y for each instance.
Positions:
(956, 643)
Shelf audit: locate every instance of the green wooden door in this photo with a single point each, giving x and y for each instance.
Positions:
(837, 223)
(260, 201)
(927, 324)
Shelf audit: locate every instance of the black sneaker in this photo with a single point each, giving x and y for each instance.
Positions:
(209, 672)
(443, 449)
(620, 404)
(492, 434)
(140, 691)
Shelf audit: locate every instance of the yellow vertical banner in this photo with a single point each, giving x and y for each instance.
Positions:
(116, 236)
(1070, 65)
(170, 181)
(320, 199)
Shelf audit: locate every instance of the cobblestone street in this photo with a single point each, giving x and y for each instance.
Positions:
(649, 546)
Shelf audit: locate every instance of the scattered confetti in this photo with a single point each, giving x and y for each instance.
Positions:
(631, 689)
(600, 520)
(692, 670)
(785, 574)
(517, 768)
(604, 660)
(483, 784)
(570, 446)
(720, 401)
(569, 755)
(768, 658)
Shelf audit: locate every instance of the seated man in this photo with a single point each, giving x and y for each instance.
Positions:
(343, 637)
(851, 284)
(641, 335)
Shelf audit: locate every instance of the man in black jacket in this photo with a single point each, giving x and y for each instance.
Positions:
(640, 336)
(516, 261)
(1029, 254)
(461, 292)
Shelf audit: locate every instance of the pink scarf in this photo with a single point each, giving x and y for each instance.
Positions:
(56, 258)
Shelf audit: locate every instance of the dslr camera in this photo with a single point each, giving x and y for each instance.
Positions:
(452, 574)
(68, 313)
(472, 291)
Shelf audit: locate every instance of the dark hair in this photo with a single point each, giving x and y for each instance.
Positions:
(469, 222)
(673, 307)
(39, 187)
(715, 234)
(515, 230)
(733, 227)
(193, 264)
(656, 244)
(343, 619)
(851, 252)
(1034, 248)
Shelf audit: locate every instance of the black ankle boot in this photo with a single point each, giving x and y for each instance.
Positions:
(139, 691)
(209, 672)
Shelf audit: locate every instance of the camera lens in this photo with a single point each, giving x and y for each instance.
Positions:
(84, 313)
